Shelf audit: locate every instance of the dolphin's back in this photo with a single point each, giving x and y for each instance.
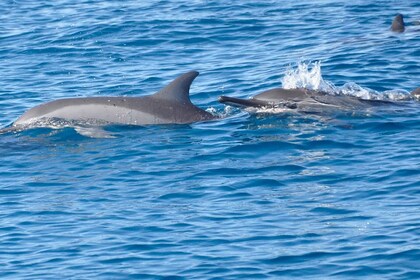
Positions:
(283, 94)
(170, 105)
(119, 110)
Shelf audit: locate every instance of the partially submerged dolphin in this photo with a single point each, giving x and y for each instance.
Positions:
(171, 105)
(304, 101)
(398, 24)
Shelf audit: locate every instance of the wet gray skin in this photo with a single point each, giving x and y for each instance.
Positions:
(302, 100)
(171, 105)
(398, 24)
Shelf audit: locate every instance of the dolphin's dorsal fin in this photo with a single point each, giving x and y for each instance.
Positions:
(398, 24)
(179, 89)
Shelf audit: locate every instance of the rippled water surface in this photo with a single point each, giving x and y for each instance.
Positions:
(252, 196)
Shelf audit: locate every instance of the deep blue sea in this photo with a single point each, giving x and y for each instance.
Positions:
(248, 196)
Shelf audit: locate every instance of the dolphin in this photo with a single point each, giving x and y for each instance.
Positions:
(398, 24)
(304, 101)
(171, 105)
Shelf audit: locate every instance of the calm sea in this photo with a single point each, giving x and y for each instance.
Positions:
(249, 196)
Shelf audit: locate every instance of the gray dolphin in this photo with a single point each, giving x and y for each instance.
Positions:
(171, 105)
(302, 100)
(398, 24)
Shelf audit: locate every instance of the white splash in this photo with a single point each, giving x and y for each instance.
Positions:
(227, 111)
(270, 110)
(309, 75)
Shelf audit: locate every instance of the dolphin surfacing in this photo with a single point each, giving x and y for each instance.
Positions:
(398, 24)
(171, 105)
(302, 100)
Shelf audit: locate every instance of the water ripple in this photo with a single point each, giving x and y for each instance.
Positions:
(253, 196)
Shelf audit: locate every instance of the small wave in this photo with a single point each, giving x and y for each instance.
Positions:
(227, 111)
(356, 90)
(270, 110)
(91, 128)
(309, 75)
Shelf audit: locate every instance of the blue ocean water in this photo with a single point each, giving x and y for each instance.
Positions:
(249, 196)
